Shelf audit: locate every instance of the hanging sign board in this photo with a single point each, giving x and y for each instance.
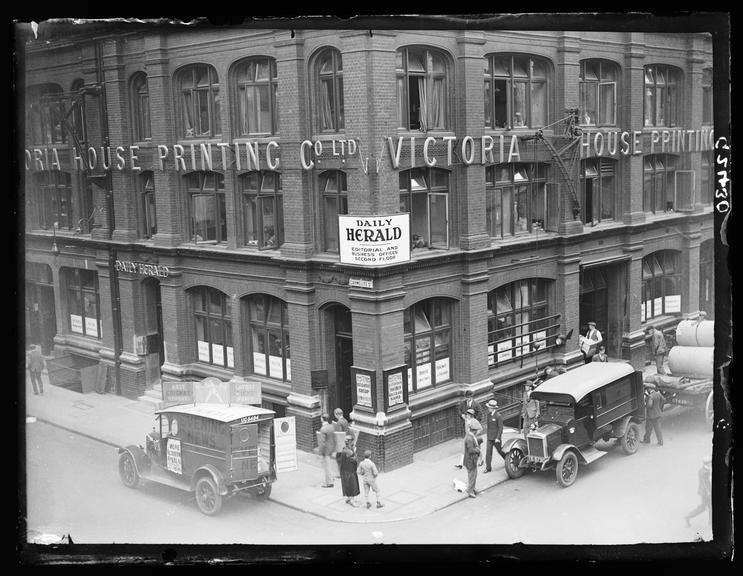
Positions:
(211, 390)
(374, 240)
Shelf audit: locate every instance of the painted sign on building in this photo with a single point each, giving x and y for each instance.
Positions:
(374, 240)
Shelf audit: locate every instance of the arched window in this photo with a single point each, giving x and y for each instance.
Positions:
(517, 91)
(256, 81)
(83, 302)
(263, 213)
(329, 91)
(662, 95)
(598, 93)
(198, 87)
(519, 322)
(424, 193)
(422, 89)
(45, 114)
(207, 206)
(334, 192)
(598, 184)
(519, 200)
(213, 319)
(148, 218)
(140, 108)
(661, 284)
(54, 190)
(269, 336)
(659, 180)
(427, 332)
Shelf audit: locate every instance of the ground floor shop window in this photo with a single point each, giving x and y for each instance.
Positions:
(269, 337)
(213, 319)
(83, 302)
(661, 284)
(519, 322)
(427, 328)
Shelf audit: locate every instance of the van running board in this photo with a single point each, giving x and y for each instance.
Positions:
(591, 454)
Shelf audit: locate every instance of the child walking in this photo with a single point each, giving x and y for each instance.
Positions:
(368, 471)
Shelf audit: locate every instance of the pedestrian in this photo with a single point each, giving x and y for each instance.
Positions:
(327, 448)
(469, 403)
(601, 355)
(653, 412)
(657, 348)
(35, 363)
(340, 424)
(368, 471)
(348, 465)
(592, 339)
(494, 433)
(471, 456)
(705, 492)
(529, 408)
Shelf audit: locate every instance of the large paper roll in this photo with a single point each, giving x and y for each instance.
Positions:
(692, 361)
(693, 333)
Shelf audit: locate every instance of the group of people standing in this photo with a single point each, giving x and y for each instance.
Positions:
(348, 465)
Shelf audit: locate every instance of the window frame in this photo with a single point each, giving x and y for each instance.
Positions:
(656, 92)
(147, 204)
(256, 199)
(512, 79)
(267, 329)
(707, 96)
(77, 288)
(45, 114)
(403, 77)
(243, 86)
(54, 189)
(190, 98)
(340, 194)
(217, 195)
(599, 188)
(432, 191)
(221, 319)
(141, 117)
(432, 310)
(659, 170)
(602, 80)
(335, 77)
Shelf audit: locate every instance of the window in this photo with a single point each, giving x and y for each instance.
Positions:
(45, 114)
(78, 111)
(517, 89)
(141, 108)
(83, 303)
(707, 96)
(707, 178)
(213, 318)
(662, 95)
(148, 219)
(658, 183)
(269, 336)
(424, 194)
(257, 82)
(598, 93)
(518, 200)
(661, 284)
(427, 328)
(421, 89)
(329, 91)
(518, 320)
(200, 101)
(263, 219)
(54, 204)
(208, 214)
(334, 191)
(597, 189)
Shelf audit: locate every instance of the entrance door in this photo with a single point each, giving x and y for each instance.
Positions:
(594, 304)
(154, 329)
(41, 318)
(343, 359)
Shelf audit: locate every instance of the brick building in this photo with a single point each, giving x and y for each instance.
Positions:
(183, 191)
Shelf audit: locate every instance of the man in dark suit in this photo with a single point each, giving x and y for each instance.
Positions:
(495, 430)
(469, 403)
(471, 456)
(653, 412)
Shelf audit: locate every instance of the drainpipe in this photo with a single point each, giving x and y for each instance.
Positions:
(111, 220)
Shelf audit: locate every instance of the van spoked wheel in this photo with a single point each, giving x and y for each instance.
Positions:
(128, 470)
(208, 498)
(512, 461)
(567, 469)
(263, 493)
(630, 440)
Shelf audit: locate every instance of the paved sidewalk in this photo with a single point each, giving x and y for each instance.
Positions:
(412, 491)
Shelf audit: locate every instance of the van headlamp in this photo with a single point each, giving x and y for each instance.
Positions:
(571, 429)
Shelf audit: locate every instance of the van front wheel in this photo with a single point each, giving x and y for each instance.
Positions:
(512, 461)
(567, 469)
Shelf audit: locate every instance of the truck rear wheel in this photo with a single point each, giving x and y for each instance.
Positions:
(567, 469)
(208, 498)
(511, 463)
(263, 493)
(630, 440)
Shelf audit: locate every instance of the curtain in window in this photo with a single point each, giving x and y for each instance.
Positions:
(188, 113)
(437, 103)
(423, 110)
(326, 105)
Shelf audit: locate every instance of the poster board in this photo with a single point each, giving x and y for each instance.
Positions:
(364, 388)
(395, 387)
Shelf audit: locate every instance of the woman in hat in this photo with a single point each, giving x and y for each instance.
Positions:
(348, 465)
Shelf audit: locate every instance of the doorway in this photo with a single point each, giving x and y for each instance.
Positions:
(341, 395)
(603, 300)
(41, 317)
(153, 328)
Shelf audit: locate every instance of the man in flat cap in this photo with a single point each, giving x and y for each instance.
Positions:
(593, 335)
(469, 404)
(470, 457)
(495, 430)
